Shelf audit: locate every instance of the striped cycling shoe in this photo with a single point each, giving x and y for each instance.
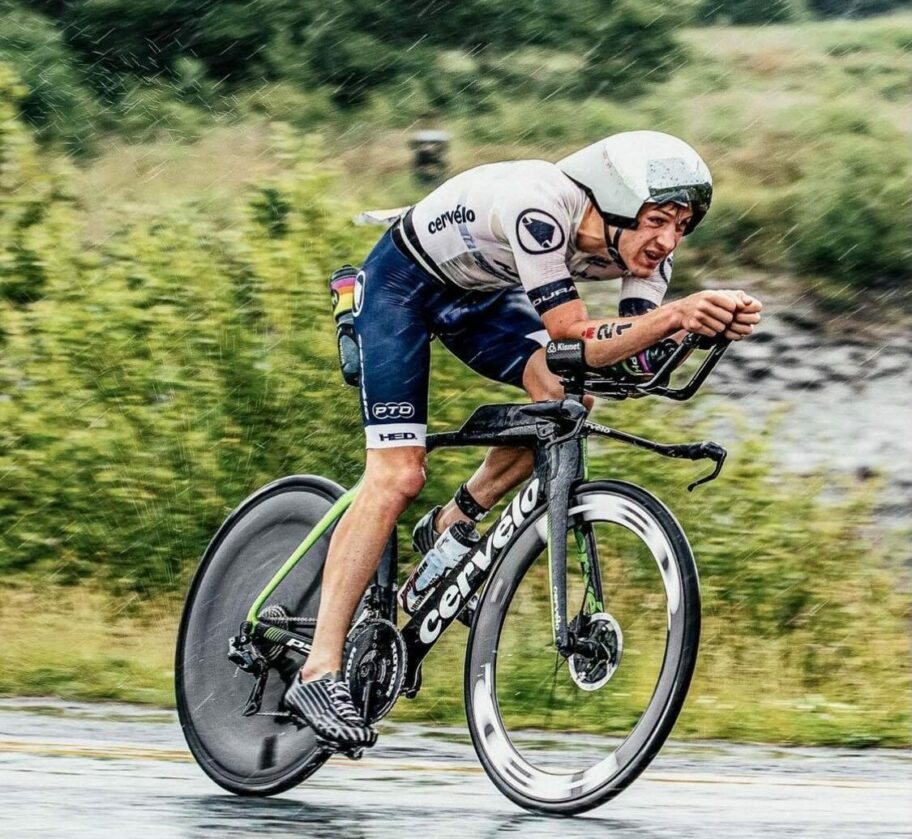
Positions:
(326, 705)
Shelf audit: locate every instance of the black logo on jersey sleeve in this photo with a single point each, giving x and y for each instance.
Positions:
(539, 232)
(666, 266)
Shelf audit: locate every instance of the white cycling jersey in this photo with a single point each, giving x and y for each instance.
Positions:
(514, 223)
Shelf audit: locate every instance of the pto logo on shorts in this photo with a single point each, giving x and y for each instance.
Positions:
(539, 232)
(393, 410)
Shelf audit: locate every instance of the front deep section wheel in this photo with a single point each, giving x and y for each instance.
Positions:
(266, 753)
(633, 598)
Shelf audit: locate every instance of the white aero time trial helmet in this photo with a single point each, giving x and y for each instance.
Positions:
(625, 171)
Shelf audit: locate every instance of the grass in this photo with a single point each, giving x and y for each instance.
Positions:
(83, 644)
(214, 172)
(771, 108)
(738, 83)
(764, 104)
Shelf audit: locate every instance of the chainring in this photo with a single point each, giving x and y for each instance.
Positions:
(593, 672)
(374, 666)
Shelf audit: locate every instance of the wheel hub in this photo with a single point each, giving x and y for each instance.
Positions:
(604, 637)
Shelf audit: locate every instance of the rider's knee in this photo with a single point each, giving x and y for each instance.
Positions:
(407, 483)
(545, 391)
(401, 477)
(542, 385)
(539, 382)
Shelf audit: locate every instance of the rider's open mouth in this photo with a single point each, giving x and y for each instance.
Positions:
(653, 256)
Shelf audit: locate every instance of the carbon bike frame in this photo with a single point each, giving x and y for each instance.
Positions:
(552, 431)
(557, 433)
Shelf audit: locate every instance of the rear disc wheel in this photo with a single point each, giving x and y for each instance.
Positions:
(256, 755)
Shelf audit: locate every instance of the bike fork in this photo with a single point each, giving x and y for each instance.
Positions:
(565, 469)
(587, 554)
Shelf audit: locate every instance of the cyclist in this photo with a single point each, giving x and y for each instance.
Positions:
(487, 263)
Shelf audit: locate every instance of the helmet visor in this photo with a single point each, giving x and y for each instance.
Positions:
(673, 180)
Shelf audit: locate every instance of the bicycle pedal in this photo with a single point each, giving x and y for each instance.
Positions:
(351, 752)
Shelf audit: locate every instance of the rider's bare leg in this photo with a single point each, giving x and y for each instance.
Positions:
(505, 467)
(392, 479)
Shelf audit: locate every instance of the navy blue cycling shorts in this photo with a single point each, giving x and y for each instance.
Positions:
(398, 308)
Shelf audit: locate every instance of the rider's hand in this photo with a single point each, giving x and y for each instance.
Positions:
(746, 317)
(708, 312)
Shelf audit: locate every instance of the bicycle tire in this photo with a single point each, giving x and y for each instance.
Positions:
(572, 793)
(259, 755)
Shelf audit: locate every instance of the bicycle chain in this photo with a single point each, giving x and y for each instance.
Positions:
(290, 620)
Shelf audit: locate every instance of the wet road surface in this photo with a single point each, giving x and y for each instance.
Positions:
(89, 770)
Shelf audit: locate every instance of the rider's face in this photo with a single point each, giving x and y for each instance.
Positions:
(659, 229)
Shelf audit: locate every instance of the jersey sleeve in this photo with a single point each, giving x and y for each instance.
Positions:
(537, 228)
(640, 295)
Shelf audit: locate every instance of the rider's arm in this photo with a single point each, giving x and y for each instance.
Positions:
(609, 340)
(640, 295)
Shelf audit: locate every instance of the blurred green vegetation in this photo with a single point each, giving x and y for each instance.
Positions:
(805, 124)
(166, 344)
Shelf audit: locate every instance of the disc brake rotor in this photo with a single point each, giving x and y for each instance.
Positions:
(374, 665)
(593, 672)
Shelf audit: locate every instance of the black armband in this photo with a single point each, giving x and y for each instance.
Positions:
(468, 505)
(551, 295)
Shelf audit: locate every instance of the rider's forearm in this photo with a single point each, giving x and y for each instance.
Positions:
(609, 340)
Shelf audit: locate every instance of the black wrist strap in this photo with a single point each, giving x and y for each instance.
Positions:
(468, 505)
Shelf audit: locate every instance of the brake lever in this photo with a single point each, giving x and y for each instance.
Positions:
(714, 452)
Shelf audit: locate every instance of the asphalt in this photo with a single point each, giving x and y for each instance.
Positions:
(73, 770)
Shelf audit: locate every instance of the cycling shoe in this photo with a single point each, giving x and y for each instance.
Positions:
(326, 705)
(424, 535)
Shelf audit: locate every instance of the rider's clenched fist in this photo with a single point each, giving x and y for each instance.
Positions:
(746, 317)
(707, 312)
(731, 313)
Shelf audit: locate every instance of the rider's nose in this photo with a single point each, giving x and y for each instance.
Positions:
(667, 238)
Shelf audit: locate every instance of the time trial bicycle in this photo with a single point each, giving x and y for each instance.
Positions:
(588, 618)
